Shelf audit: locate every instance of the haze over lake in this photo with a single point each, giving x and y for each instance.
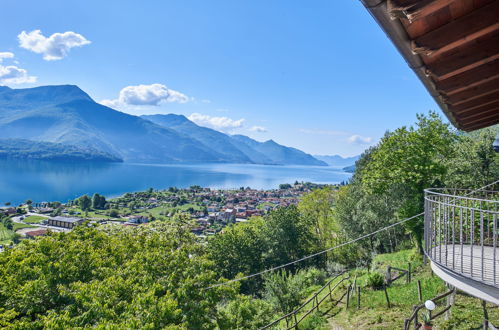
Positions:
(61, 181)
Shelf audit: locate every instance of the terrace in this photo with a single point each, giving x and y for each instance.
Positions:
(461, 239)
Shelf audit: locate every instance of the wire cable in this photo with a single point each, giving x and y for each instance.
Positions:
(331, 248)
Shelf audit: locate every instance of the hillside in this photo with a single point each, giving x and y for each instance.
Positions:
(238, 148)
(26, 149)
(67, 115)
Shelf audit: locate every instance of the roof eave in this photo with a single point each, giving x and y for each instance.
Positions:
(395, 31)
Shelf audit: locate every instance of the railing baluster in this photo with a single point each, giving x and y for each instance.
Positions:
(472, 227)
(453, 238)
(461, 235)
(481, 241)
(494, 231)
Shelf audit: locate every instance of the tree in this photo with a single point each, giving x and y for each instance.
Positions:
(475, 163)
(239, 250)
(84, 202)
(283, 186)
(288, 237)
(411, 159)
(116, 278)
(98, 201)
(244, 312)
(114, 213)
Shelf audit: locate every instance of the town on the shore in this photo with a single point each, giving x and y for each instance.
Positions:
(207, 210)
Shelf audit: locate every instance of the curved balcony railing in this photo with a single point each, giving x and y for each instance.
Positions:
(461, 232)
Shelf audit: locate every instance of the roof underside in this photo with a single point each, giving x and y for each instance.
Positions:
(453, 46)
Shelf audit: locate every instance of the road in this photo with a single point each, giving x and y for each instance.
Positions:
(18, 220)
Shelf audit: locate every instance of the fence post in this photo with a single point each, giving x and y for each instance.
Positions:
(348, 295)
(388, 276)
(317, 302)
(386, 296)
(296, 322)
(409, 272)
(450, 301)
(414, 308)
(485, 315)
(358, 297)
(420, 292)
(330, 295)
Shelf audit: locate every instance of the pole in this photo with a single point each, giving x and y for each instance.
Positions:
(420, 292)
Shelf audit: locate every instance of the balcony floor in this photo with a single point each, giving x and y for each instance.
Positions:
(469, 261)
(466, 273)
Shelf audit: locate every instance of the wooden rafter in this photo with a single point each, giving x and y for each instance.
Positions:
(461, 31)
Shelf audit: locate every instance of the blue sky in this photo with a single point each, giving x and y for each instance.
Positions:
(318, 75)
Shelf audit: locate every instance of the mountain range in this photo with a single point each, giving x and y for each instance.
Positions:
(67, 116)
(337, 160)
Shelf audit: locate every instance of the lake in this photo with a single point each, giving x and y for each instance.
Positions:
(61, 181)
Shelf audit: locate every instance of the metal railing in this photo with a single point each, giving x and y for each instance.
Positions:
(460, 232)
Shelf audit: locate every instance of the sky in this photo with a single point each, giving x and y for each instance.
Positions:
(320, 75)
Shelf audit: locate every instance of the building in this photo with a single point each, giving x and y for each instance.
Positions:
(64, 222)
(453, 48)
(36, 233)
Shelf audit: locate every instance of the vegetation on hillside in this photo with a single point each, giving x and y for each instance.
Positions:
(159, 275)
(27, 149)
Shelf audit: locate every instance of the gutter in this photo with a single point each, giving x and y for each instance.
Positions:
(396, 32)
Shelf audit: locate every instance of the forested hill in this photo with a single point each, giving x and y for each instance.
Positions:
(26, 149)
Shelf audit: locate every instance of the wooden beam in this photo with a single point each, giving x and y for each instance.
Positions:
(476, 116)
(491, 97)
(463, 30)
(473, 76)
(470, 87)
(464, 58)
(424, 8)
(481, 124)
(472, 92)
(478, 108)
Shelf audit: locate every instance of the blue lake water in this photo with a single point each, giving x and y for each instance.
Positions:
(60, 181)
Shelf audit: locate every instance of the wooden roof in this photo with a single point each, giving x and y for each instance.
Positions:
(453, 46)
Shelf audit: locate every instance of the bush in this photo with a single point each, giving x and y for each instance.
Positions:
(114, 213)
(375, 280)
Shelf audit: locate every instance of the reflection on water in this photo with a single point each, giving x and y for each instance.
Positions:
(62, 181)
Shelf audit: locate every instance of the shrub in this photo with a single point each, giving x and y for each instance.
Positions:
(375, 280)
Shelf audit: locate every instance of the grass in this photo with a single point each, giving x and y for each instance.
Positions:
(5, 235)
(164, 210)
(34, 219)
(374, 314)
(21, 226)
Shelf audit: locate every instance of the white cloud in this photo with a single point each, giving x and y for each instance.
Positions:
(358, 139)
(12, 74)
(219, 123)
(143, 95)
(53, 48)
(5, 55)
(259, 129)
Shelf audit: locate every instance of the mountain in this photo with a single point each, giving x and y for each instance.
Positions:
(278, 153)
(206, 136)
(26, 149)
(238, 148)
(337, 160)
(66, 114)
(69, 117)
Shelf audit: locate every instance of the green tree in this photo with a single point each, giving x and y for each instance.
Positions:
(84, 202)
(244, 312)
(411, 159)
